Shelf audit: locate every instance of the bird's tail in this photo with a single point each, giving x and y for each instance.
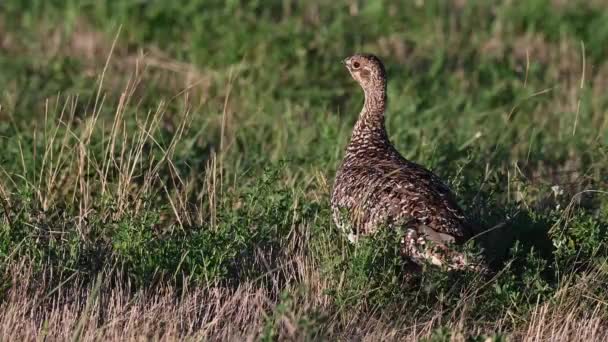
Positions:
(426, 245)
(456, 260)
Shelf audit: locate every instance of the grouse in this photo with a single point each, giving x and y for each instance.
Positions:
(377, 187)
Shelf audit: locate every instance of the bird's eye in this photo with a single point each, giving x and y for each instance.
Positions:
(356, 65)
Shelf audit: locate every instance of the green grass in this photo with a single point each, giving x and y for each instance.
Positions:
(188, 148)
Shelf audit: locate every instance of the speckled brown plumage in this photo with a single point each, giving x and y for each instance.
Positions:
(375, 186)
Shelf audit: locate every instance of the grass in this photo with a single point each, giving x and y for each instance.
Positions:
(166, 168)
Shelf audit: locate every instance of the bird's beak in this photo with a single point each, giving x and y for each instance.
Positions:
(346, 62)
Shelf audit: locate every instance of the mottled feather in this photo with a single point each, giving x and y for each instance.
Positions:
(377, 187)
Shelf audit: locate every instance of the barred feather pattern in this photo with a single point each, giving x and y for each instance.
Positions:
(377, 187)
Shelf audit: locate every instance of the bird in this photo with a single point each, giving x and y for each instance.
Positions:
(375, 186)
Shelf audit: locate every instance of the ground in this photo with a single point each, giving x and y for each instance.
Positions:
(165, 168)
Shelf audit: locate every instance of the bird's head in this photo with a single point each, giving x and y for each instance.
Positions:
(367, 70)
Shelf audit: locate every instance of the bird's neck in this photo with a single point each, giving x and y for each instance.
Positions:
(370, 125)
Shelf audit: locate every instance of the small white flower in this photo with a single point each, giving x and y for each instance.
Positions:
(557, 190)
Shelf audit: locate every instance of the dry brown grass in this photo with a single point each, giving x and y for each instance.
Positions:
(110, 310)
